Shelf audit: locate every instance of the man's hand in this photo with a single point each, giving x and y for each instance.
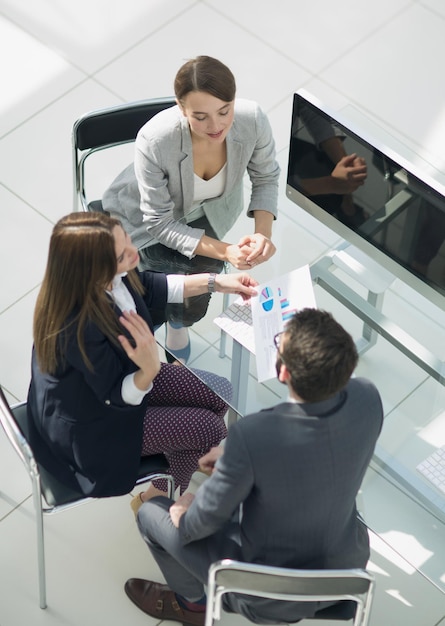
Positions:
(207, 462)
(181, 505)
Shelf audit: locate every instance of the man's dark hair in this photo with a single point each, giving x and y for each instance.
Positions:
(319, 354)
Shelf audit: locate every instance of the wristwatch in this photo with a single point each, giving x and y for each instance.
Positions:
(211, 283)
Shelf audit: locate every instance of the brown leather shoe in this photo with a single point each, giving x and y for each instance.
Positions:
(160, 602)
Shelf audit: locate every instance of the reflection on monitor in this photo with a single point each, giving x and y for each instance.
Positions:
(369, 195)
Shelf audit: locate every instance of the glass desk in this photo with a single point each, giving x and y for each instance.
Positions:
(398, 504)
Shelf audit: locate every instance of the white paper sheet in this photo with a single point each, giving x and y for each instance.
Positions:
(277, 300)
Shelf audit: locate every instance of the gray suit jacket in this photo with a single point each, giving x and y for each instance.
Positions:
(296, 469)
(154, 196)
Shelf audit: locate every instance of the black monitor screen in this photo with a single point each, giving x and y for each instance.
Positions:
(369, 195)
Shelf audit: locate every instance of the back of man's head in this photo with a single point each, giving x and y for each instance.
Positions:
(319, 354)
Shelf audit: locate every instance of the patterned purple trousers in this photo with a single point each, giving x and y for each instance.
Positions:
(184, 419)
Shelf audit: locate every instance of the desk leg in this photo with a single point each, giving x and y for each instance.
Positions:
(239, 377)
(369, 336)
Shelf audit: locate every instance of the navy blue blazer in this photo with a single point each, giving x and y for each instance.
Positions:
(80, 427)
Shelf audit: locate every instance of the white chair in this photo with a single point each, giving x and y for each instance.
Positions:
(352, 589)
(49, 495)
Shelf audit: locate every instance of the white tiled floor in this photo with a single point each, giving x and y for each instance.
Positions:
(377, 59)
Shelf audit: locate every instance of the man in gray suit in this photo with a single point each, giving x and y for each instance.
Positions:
(283, 490)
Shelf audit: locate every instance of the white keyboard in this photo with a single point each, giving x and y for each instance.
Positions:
(433, 469)
(239, 313)
(236, 321)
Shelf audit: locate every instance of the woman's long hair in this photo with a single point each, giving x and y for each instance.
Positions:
(81, 265)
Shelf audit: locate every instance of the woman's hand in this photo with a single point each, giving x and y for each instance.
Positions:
(248, 252)
(349, 174)
(241, 284)
(237, 256)
(145, 351)
(258, 248)
(229, 252)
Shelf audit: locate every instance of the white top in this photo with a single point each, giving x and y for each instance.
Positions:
(212, 188)
(206, 190)
(124, 300)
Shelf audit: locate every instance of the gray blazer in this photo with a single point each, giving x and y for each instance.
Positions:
(154, 196)
(296, 469)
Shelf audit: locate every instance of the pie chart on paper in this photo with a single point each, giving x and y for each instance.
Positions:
(266, 299)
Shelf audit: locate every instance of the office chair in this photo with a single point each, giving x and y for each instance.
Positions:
(49, 495)
(352, 588)
(105, 129)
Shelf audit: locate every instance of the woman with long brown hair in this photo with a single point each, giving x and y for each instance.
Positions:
(99, 396)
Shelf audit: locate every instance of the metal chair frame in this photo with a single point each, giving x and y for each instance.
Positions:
(49, 495)
(344, 586)
(108, 128)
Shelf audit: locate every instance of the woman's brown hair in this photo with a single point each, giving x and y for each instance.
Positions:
(205, 74)
(81, 265)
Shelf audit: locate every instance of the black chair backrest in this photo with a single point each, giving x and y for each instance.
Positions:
(21, 417)
(117, 124)
(343, 610)
(54, 492)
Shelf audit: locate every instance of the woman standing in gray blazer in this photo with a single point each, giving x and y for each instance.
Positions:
(184, 190)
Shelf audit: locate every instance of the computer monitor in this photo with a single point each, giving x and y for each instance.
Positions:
(396, 216)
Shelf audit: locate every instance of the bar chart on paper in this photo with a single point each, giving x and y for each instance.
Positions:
(276, 303)
(286, 309)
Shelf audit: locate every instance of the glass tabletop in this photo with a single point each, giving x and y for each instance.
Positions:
(400, 504)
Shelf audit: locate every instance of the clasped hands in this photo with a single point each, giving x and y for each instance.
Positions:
(349, 174)
(250, 250)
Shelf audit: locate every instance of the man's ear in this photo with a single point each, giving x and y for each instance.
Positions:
(283, 374)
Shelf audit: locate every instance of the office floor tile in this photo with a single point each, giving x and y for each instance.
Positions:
(308, 35)
(29, 226)
(35, 65)
(44, 178)
(245, 56)
(422, 118)
(90, 35)
(379, 64)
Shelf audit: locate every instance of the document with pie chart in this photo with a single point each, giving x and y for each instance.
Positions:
(254, 323)
(276, 302)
